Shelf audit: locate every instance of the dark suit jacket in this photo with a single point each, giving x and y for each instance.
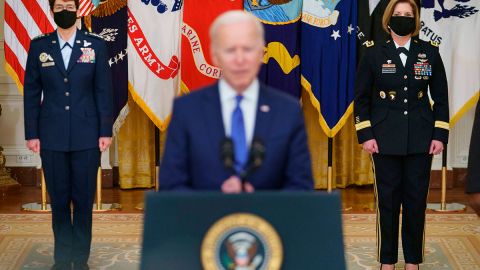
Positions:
(192, 158)
(391, 101)
(473, 177)
(77, 102)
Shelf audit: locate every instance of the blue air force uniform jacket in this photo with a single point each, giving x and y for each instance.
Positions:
(76, 108)
(392, 103)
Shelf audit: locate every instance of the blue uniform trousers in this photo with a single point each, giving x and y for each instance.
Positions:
(71, 185)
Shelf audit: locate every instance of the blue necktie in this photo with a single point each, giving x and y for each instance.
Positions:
(238, 137)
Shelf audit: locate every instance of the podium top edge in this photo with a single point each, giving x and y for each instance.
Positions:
(279, 193)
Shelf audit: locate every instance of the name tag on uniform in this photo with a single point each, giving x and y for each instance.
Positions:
(48, 64)
(88, 56)
(389, 68)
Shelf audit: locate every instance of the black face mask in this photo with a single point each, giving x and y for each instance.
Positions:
(402, 25)
(65, 19)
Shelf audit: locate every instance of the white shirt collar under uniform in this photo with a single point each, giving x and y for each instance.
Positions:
(403, 57)
(67, 51)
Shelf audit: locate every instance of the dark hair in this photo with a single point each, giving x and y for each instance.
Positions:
(52, 3)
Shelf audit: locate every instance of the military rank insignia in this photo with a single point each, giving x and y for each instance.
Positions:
(88, 56)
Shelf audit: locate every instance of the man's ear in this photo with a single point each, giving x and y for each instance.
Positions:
(213, 55)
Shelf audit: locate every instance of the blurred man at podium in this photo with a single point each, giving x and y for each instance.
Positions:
(237, 134)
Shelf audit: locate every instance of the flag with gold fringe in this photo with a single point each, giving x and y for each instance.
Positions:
(153, 50)
(328, 57)
(453, 26)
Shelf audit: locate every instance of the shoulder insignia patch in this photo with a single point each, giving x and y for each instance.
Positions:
(434, 43)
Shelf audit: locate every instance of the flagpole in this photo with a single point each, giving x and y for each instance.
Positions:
(443, 206)
(330, 171)
(329, 162)
(43, 206)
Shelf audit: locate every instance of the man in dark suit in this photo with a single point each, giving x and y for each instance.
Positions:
(240, 108)
(68, 120)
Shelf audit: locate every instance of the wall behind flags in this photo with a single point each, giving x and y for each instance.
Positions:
(12, 130)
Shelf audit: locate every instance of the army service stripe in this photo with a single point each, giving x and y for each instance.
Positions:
(442, 124)
(362, 125)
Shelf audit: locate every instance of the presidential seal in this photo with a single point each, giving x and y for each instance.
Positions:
(242, 242)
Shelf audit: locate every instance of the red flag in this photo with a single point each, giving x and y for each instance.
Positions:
(197, 67)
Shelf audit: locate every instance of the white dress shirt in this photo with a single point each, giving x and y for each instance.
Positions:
(67, 51)
(248, 106)
(403, 56)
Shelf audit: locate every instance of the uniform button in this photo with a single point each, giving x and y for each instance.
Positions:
(65, 80)
(404, 76)
(67, 94)
(405, 112)
(405, 101)
(67, 108)
(405, 88)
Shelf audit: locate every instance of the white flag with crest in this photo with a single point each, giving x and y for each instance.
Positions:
(455, 26)
(154, 56)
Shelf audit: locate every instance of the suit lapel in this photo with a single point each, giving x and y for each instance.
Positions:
(56, 54)
(76, 51)
(213, 116)
(264, 114)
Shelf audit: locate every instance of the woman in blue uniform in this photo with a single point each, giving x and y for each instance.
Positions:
(397, 124)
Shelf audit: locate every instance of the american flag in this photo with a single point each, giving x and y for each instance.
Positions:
(87, 6)
(24, 20)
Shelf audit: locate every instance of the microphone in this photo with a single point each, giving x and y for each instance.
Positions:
(227, 153)
(256, 157)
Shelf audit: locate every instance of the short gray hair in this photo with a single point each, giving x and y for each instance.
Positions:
(232, 17)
